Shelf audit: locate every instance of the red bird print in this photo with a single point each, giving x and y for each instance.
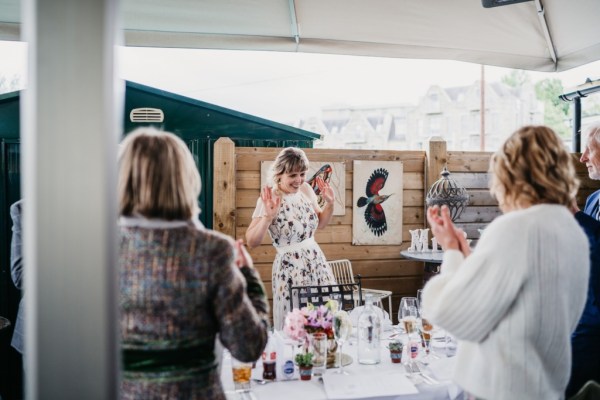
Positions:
(325, 173)
(374, 215)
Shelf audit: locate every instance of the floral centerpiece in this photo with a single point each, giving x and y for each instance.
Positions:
(299, 323)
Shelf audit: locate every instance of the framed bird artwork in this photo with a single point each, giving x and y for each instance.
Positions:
(377, 203)
(332, 172)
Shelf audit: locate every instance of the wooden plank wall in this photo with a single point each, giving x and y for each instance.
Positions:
(237, 187)
(381, 267)
(470, 169)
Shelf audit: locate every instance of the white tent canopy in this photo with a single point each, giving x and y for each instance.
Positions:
(69, 234)
(564, 35)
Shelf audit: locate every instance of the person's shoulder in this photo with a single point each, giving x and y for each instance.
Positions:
(520, 221)
(594, 195)
(213, 238)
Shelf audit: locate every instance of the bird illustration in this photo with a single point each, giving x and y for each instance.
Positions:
(325, 173)
(374, 215)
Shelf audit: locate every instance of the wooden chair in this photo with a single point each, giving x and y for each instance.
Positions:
(342, 271)
(317, 295)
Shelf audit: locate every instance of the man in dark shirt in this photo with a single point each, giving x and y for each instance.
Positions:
(585, 341)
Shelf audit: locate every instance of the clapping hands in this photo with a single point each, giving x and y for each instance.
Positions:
(242, 257)
(447, 235)
(270, 201)
(326, 190)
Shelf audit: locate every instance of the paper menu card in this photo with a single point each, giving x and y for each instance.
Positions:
(367, 384)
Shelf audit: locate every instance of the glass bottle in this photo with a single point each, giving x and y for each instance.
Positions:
(369, 334)
(269, 359)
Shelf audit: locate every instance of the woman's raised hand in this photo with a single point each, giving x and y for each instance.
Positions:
(326, 190)
(270, 201)
(442, 227)
(242, 257)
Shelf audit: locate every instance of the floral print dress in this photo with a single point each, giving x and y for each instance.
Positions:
(298, 257)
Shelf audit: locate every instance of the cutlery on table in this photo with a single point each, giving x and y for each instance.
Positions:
(415, 369)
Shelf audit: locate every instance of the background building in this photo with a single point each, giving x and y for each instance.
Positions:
(452, 113)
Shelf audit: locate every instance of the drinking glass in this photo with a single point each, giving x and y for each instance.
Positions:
(451, 346)
(408, 313)
(426, 328)
(341, 331)
(318, 342)
(241, 375)
(420, 299)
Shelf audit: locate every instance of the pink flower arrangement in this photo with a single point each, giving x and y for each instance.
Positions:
(310, 319)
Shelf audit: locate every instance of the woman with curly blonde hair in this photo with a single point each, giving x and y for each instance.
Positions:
(514, 302)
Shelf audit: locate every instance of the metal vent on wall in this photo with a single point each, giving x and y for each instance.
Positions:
(146, 115)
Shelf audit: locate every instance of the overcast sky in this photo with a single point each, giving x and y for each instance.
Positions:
(286, 87)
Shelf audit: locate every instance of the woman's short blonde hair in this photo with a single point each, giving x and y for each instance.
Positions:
(289, 160)
(158, 177)
(532, 167)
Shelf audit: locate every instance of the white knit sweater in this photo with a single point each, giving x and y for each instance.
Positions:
(513, 304)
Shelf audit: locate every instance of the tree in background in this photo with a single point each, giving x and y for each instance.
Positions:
(590, 106)
(556, 111)
(516, 78)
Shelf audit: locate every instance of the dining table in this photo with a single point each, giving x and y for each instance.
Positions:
(383, 381)
(432, 260)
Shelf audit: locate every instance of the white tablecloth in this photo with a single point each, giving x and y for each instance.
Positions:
(314, 389)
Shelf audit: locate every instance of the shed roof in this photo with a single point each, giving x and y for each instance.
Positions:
(187, 117)
(191, 118)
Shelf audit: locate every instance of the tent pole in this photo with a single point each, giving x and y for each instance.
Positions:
(577, 124)
(549, 42)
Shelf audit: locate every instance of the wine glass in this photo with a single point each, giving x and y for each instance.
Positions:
(408, 313)
(426, 328)
(341, 331)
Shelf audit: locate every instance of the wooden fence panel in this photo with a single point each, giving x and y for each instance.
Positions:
(237, 177)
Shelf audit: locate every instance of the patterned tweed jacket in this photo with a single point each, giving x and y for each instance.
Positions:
(179, 288)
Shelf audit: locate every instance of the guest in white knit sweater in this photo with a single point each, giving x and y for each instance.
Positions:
(514, 302)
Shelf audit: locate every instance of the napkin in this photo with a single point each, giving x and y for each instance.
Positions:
(443, 368)
(367, 384)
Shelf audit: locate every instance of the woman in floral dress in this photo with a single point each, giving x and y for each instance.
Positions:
(289, 211)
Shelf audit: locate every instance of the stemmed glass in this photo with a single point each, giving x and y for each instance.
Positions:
(341, 331)
(408, 313)
(425, 326)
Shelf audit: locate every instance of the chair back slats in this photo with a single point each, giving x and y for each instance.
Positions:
(317, 295)
(342, 271)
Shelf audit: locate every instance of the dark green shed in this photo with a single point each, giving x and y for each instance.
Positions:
(198, 123)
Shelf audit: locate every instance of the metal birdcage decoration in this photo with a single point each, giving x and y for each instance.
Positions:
(447, 191)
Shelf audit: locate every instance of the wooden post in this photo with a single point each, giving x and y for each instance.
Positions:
(436, 160)
(224, 187)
